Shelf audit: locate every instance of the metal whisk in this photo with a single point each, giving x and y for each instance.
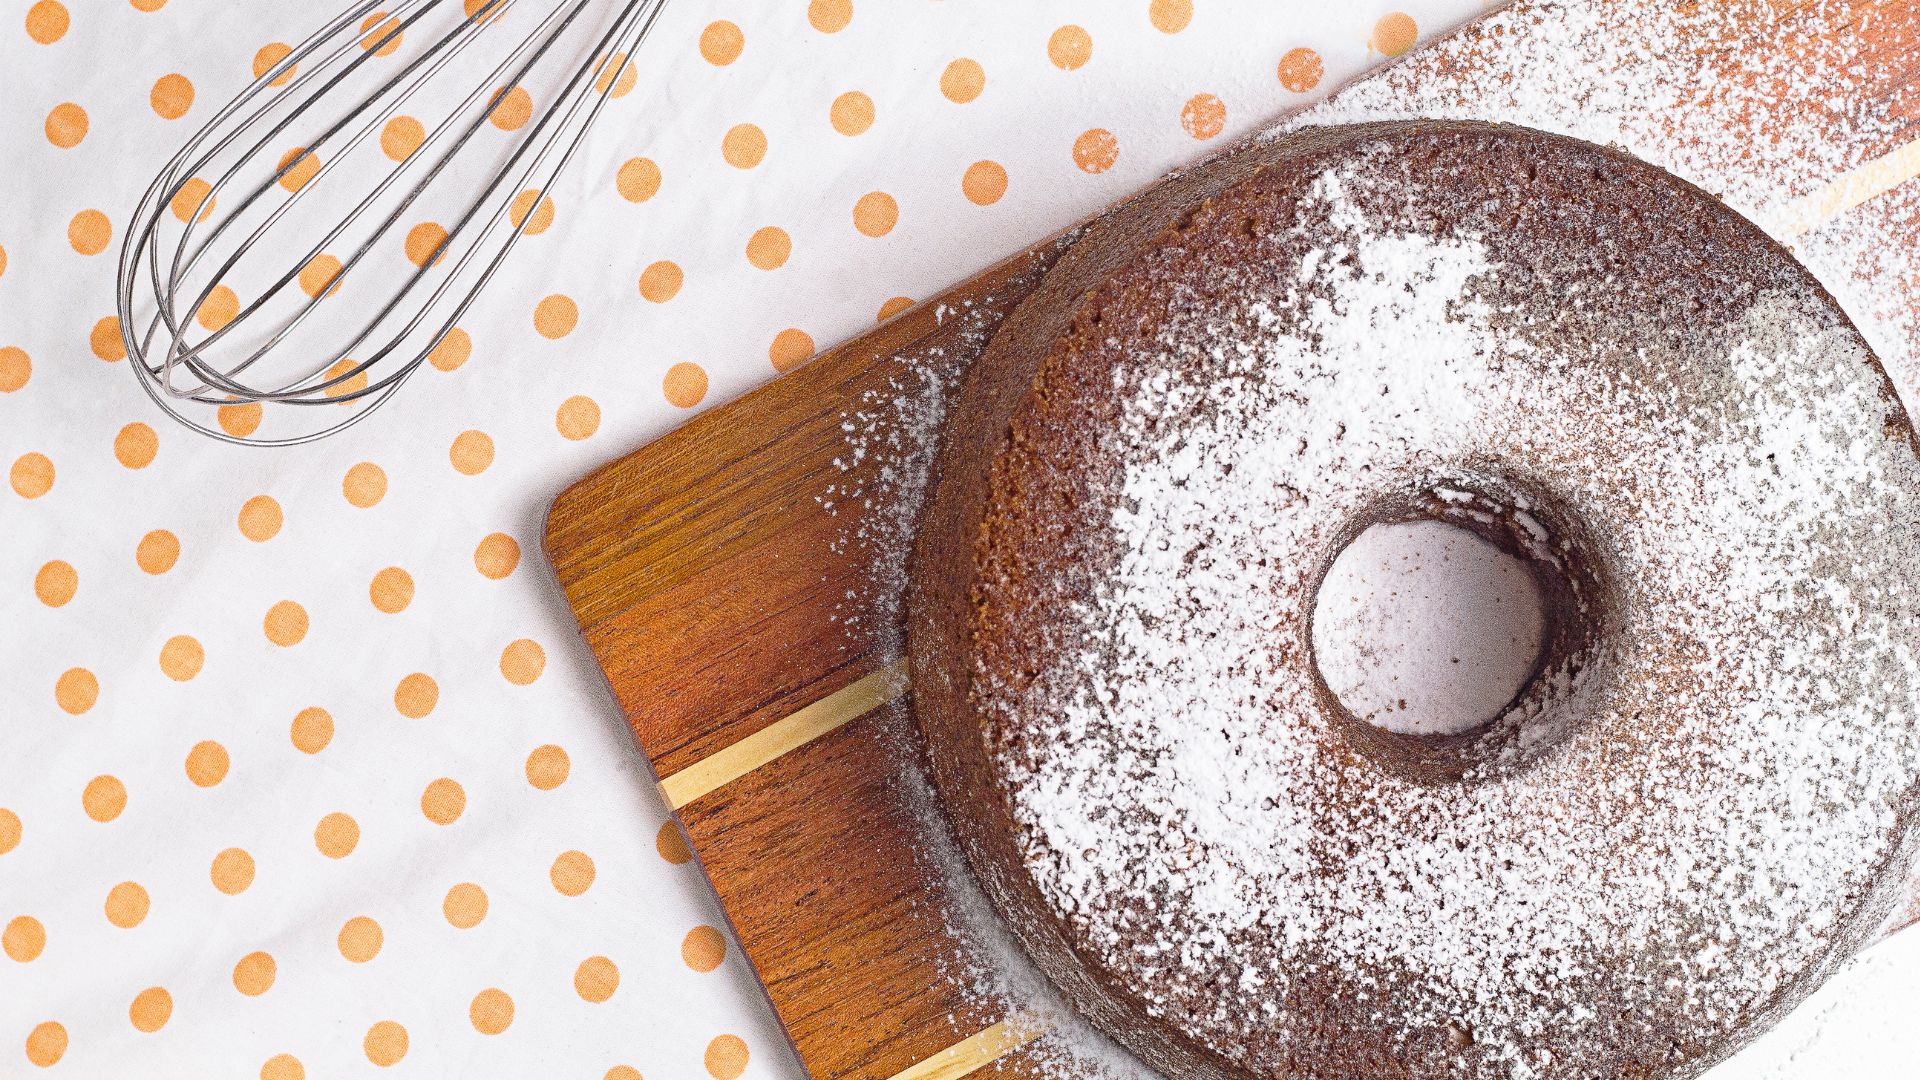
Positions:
(286, 204)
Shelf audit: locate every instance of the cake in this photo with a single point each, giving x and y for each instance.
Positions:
(1699, 801)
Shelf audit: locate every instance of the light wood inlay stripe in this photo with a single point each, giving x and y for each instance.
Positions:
(787, 734)
(977, 1051)
(1876, 177)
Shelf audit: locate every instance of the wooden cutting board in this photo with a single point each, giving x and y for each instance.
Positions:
(736, 580)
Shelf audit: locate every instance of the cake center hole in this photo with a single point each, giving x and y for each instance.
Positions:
(1425, 628)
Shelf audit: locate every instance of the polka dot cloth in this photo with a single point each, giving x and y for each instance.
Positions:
(304, 771)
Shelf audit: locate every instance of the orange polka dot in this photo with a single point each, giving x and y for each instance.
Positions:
(207, 763)
(312, 730)
(726, 1057)
(768, 248)
(104, 798)
(492, 10)
(491, 1011)
(296, 167)
(171, 96)
(321, 275)
(616, 67)
(622, 1072)
(465, 905)
(127, 905)
(401, 136)
(391, 590)
(383, 34)
(963, 80)
(149, 5)
(10, 830)
(1203, 116)
(496, 556)
(360, 939)
(556, 316)
(1096, 150)
(56, 583)
(830, 16)
(703, 948)
(89, 232)
(66, 125)
(511, 109)
(181, 657)
(426, 243)
(1070, 47)
(443, 801)
(336, 835)
(364, 485)
(685, 385)
(260, 518)
(671, 843)
(76, 690)
(283, 1067)
(984, 183)
(531, 213)
(638, 180)
(876, 213)
(892, 307)
(416, 695)
(157, 551)
(452, 350)
(23, 938)
(1170, 16)
(572, 873)
(106, 342)
(345, 381)
(577, 418)
(522, 661)
(253, 975)
(596, 979)
(1301, 70)
(16, 367)
(721, 42)
(232, 871)
(239, 421)
(385, 1044)
(47, 22)
(136, 445)
(271, 54)
(851, 113)
(285, 624)
(151, 1009)
(547, 767)
(744, 146)
(471, 452)
(1394, 34)
(192, 197)
(790, 348)
(660, 281)
(47, 1042)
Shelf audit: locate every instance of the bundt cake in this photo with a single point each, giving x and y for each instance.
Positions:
(1696, 805)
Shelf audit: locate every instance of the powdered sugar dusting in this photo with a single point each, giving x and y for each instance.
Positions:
(1737, 752)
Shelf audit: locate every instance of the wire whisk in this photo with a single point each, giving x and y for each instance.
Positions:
(317, 239)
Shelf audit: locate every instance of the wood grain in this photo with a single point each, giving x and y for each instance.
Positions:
(723, 578)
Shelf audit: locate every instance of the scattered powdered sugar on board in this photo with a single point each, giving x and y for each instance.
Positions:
(1739, 752)
(890, 436)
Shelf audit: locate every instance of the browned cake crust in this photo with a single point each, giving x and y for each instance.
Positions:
(1017, 553)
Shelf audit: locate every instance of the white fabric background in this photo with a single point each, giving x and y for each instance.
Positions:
(650, 918)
